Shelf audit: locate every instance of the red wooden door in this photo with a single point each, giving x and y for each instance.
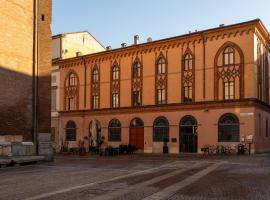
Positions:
(136, 137)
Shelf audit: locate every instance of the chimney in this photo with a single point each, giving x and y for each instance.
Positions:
(221, 25)
(149, 39)
(108, 48)
(123, 45)
(136, 39)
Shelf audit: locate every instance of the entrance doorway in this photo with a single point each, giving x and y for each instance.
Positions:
(136, 133)
(188, 134)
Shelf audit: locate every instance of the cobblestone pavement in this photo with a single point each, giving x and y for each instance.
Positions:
(147, 177)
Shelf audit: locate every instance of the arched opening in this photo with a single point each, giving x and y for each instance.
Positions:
(71, 131)
(228, 128)
(188, 134)
(94, 133)
(136, 133)
(161, 130)
(114, 131)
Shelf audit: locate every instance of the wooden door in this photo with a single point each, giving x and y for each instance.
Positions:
(136, 137)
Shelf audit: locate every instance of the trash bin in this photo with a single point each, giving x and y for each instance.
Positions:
(241, 149)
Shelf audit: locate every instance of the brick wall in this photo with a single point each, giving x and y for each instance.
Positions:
(16, 65)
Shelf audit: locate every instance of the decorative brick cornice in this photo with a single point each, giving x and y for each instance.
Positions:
(165, 44)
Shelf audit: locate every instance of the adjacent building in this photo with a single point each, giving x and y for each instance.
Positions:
(206, 87)
(25, 67)
(67, 45)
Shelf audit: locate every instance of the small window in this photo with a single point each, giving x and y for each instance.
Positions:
(42, 17)
(115, 100)
(53, 99)
(53, 79)
(229, 90)
(95, 101)
(114, 131)
(161, 96)
(136, 98)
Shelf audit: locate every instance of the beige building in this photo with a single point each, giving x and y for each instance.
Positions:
(206, 87)
(67, 45)
(25, 66)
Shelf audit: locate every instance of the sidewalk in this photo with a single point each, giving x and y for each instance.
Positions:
(10, 161)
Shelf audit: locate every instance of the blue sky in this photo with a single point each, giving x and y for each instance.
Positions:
(113, 22)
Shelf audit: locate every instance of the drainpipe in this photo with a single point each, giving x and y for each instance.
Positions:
(35, 76)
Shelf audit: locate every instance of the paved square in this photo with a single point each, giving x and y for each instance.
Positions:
(148, 177)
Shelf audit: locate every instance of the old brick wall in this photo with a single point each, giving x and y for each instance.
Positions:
(16, 47)
(16, 67)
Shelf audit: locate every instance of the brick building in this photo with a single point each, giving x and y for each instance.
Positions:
(25, 66)
(206, 87)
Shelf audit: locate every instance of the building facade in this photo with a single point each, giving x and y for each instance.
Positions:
(25, 66)
(67, 45)
(207, 87)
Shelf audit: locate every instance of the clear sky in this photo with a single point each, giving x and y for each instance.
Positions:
(113, 22)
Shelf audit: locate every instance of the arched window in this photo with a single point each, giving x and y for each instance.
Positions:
(136, 122)
(161, 130)
(136, 84)
(188, 74)
(115, 86)
(136, 69)
(95, 75)
(229, 72)
(188, 60)
(71, 92)
(161, 80)
(115, 72)
(95, 88)
(228, 128)
(114, 131)
(71, 131)
(228, 56)
(161, 66)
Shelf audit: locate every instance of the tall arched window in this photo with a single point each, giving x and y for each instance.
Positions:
(71, 131)
(161, 130)
(136, 83)
(114, 131)
(115, 86)
(95, 88)
(229, 72)
(228, 128)
(71, 92)
(188, 79)
(161, 80)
